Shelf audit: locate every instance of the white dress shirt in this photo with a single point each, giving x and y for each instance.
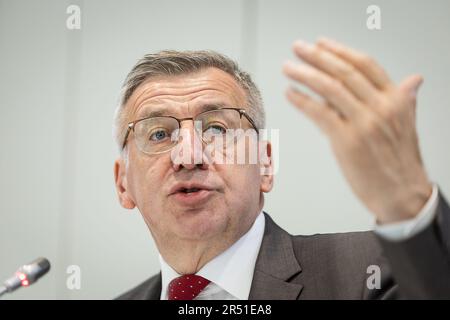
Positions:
(231, 272)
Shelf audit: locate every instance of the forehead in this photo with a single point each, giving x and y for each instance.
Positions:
(186, 93)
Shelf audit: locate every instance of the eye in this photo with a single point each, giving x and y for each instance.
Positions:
(215, 129)
(158, 135)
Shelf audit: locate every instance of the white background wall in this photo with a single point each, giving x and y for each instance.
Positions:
(59, 88)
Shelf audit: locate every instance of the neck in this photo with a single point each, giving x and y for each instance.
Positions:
(187, 256)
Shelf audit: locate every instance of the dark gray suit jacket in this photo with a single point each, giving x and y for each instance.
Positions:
(334, 266)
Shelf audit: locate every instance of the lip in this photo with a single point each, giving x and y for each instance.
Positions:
(177, 188)
(192, 198)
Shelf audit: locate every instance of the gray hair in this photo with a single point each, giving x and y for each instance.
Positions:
(172, 63)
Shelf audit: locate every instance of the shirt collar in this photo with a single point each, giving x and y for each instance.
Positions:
(232, 270)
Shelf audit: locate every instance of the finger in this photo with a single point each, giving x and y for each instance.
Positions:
(321, 114)
(330, 89)
(336, 67)
(411, 85)
(371, 69)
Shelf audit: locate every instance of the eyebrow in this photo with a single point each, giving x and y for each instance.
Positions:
(148, 113)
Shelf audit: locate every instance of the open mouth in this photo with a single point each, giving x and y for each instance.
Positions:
(192, 194)
(188, 188)
(191, 190)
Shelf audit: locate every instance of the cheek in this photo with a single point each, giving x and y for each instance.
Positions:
(242, 181)
(146, 186)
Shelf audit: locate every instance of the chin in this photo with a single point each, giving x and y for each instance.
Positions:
(201, 225)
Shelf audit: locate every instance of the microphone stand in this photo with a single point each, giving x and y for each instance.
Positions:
(3, 290)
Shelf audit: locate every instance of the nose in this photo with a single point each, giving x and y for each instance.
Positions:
(188, 153)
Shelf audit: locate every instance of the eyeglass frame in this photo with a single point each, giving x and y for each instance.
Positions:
(132, 124)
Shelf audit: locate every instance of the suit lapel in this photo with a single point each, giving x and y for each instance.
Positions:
(153, 291)
(275, 266)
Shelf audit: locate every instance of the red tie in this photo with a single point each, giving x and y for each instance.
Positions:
(186, 287)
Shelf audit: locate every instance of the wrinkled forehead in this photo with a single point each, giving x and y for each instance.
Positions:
(185, 94)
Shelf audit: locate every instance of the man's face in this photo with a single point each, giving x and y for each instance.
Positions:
(231, 195)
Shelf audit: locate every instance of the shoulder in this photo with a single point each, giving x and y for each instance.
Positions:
(348, 256)
(363, 245)
(340, 243)
(334, 265)
(351, 250)
(331, 252)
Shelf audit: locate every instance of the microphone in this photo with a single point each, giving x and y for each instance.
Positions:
(26, 275)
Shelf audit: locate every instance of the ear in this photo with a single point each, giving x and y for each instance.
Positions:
(120, 178)
(266, 165)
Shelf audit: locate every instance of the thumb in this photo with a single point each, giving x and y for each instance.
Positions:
(411, 85)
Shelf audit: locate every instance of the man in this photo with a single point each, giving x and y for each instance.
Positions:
(206, 217)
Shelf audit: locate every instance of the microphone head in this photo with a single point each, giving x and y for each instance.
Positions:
(27, 274)
(35, 269)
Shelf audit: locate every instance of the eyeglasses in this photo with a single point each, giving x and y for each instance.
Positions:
(154, 135)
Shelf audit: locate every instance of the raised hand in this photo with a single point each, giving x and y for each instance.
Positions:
(370, 122)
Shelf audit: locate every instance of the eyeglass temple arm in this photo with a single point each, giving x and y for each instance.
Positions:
(249, 120)
(130, 126)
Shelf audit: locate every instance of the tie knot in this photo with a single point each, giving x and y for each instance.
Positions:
(186, 287)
